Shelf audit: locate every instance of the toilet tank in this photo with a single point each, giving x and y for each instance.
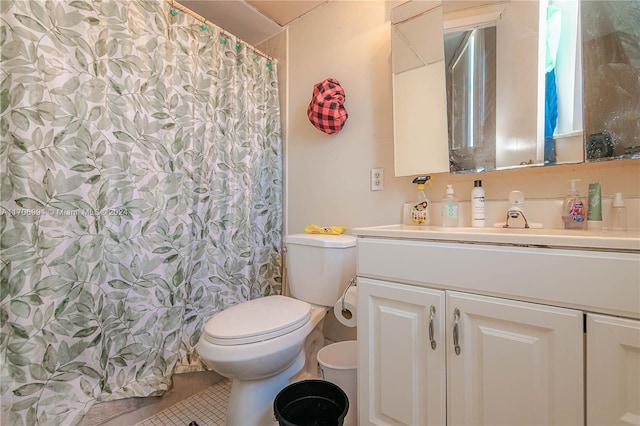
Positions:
(320, 266)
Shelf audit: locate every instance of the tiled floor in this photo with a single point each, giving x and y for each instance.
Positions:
(206, 408)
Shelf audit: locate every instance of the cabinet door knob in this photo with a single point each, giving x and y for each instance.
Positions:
(456, 332)
(432, 314)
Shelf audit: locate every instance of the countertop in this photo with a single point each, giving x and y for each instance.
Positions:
(626, 241)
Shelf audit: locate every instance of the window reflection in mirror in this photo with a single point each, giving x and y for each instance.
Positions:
(513, 83)
(470, 58)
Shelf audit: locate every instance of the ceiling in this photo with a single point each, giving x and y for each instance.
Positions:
(252, 20)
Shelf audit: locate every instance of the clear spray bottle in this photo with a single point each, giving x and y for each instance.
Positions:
(618, 214)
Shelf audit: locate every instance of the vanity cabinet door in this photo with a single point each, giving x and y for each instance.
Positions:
(613, 370)
(518, 363)
(401, 377)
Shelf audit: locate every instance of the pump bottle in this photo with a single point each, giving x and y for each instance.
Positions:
(618, 214)
(574, 215)
(420, 210)
(449, 208)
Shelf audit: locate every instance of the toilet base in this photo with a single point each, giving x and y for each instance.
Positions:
(251, 401)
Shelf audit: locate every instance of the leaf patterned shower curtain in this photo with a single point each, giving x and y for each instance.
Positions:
(141, 193)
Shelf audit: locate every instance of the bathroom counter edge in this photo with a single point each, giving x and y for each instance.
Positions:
(626, 241)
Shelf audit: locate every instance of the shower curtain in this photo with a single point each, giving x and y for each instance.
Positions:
(140, 194)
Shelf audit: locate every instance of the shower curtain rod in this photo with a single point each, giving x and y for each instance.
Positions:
(200, 18)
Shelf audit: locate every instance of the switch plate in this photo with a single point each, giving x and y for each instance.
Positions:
(377, 179)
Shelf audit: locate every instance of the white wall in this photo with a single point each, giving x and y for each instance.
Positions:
(328, 175)
(327, 179)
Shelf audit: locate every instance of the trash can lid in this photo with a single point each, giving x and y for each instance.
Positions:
(340, 355)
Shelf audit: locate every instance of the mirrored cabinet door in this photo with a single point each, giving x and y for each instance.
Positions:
(512, 74)
(521, 83)
(419, 119)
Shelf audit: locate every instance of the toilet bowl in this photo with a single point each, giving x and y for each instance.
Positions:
(265, 344)
(262, 361)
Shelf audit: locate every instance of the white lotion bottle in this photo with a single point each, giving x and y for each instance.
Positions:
(477, 205)
(450, 208)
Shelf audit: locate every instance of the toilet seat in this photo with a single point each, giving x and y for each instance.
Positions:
(257, 320)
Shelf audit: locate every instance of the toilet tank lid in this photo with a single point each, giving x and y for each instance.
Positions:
(322, 240)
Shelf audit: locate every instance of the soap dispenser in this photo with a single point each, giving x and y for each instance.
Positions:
(449, 208)
(618, 214)
(420, 210)
(574, 213)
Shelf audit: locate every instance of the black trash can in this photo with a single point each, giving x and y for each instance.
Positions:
(311, 403)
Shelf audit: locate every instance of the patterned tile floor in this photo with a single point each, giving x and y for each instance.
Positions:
(207, 408)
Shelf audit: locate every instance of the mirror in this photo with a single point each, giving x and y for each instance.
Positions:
(470, 70)
(611, 60)
(514, 98)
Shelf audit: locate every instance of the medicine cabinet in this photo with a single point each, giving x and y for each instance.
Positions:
(525, 83)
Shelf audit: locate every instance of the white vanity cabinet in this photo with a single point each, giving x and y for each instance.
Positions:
(613, 370)
(517, 363)
(401, 372)
(518, 314)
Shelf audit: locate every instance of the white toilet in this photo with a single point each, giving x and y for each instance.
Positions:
(265, 344)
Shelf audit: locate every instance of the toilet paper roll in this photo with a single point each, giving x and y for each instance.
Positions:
(347, 316)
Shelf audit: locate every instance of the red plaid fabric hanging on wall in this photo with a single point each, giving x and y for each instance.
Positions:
(326, 110)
